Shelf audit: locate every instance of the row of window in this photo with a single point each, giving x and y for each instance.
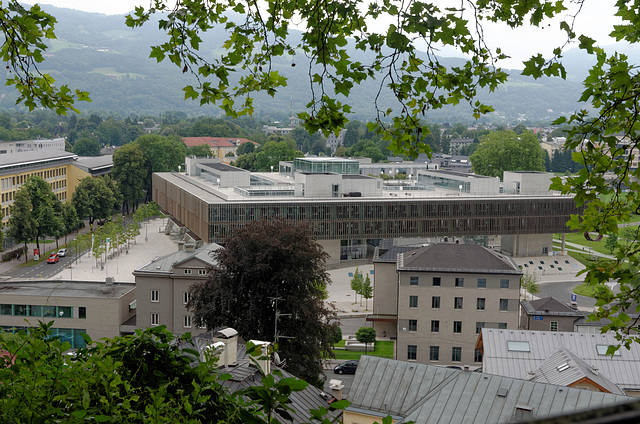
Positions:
(42, 311)
(434, 353)
(155, 296)
(186, 320)
(73, 336)
(459, 282)
(457, 326)
(458, 302)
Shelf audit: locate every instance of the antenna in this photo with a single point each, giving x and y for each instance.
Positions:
(278, 315)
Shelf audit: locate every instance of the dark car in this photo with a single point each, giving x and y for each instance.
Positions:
(348, 367)
(53, 258)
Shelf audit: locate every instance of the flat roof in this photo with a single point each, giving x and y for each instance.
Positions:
(222, 167)
(94, 163)
(326, 159)
(34, 156)
(80, 289)
(457, 173)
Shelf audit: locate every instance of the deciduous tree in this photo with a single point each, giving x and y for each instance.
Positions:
(45, 210)
(129, 171)
(501, 151)
(22, 225)
(93, 199)
(270, 267)
(366, 335)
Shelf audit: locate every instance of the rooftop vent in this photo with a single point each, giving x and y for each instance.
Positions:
(502, 392)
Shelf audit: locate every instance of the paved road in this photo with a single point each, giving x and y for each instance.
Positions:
(347, 381)
(562, 292)
(349, 326)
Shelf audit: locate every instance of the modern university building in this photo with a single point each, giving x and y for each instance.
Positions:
(348, 211)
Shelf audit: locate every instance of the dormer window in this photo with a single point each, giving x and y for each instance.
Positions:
(187, 271)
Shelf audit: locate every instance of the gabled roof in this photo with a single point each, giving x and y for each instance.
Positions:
(623, 369)
(165, 264)
(565, 368)
(459, 258)
(550, 306)
(429, 394)
(391, 255)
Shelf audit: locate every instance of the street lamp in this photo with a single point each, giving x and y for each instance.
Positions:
(460, 188)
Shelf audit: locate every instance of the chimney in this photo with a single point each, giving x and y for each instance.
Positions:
(180, 245)
(336, 388)
(189, 247)
(225, 346)
(263, 360)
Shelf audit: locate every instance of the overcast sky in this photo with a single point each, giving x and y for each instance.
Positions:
(596, 19)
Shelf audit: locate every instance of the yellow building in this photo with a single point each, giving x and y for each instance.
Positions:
(62, 170)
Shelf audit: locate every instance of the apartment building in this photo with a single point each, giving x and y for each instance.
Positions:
(446, 293)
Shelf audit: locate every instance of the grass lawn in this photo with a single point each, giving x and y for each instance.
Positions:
(383, 349)
(586, 290)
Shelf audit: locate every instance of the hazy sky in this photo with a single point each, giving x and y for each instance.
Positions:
(596, 19)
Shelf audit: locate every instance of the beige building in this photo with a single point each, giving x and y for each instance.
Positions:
(98, 309)
(163, 288)
(446, 293)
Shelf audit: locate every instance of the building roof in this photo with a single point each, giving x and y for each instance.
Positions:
(73, 289)
(221, 167)
(565, 368)
(550, 306)
(95, 164)
(391, 255)
(429, 394)
(459, 258)
(165, 264)
(244, 374)
(623, 368)
(33, 157)
(216, 141)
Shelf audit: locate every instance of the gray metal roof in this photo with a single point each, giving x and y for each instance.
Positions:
(34, 156)
(564, 368)
(550, 306)
(93, 164)
(165, 264)
(391, 255)
(451, 257)
(622, 369)
(429, 394)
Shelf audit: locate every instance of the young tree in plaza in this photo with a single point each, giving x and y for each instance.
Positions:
(366, 335)
(269, 268)
(367, 291)
(356, 284)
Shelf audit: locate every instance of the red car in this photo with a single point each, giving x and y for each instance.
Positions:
(53, 258)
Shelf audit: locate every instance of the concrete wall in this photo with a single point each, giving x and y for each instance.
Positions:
(527, 244)
(317, 185)
(368, 187)
(332, 247)
(526, 183)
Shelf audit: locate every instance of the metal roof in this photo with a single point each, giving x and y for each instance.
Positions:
(72, 289)
(622, 369)
(428, 394)
(452, 257)
(165, 264)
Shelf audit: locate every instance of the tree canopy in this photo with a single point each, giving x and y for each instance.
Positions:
(501, 151)
(269, 268)
(93, 199)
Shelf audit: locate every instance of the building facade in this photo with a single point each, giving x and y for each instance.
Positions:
(446, 293)
(95, 308)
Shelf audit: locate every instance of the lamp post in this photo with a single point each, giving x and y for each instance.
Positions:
(460, 188)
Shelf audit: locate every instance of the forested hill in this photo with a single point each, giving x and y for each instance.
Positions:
(98, 53)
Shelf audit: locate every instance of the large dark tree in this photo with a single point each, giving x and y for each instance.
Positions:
(262, 262)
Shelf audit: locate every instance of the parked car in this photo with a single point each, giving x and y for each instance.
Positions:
(53, 258)
(348, 367)
(62, 252)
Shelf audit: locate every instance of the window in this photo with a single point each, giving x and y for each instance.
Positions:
(436, 281)
(434, 353)
(518, 346)
(457, 327)
(480, 303)
(413, 281)
(435, 302)
(504, 304)
(502, 325)
(413, 325)
(553, 326)
(187, 271)
(477, 355)
(457, 303)
(504, 284)
(602, 350)
(456, 354)
(186, 297)
(413, 301)
(155, 295)
(479, 326)
(155, 319)
(186, 321)
(459, 282)
(202, 272)
(412, 352)
(435, 326)
(523, 413)
(482, 283)
(82, 312)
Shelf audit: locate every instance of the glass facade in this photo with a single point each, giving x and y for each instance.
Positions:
(73, 336)
(333, 165)
(37, 311)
